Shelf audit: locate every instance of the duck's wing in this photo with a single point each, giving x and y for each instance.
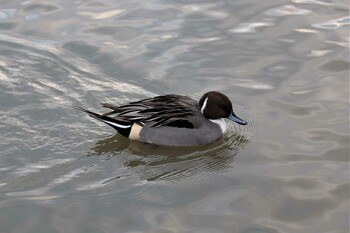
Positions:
(167, 110)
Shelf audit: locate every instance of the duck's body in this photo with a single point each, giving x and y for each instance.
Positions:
(173, 120)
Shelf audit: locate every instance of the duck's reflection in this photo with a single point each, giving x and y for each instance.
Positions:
(164, 162)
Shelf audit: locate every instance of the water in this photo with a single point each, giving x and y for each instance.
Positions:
(285, 65)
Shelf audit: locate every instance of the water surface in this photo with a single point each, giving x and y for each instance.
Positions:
(285, 65)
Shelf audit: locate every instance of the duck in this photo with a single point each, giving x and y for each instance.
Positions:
(171, 120)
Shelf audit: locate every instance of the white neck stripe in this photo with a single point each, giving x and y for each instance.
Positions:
(204, 104)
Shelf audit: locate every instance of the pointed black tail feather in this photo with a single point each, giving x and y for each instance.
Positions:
(92, 114)
(122, 127)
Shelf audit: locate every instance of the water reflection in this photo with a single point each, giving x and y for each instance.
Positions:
(164, 163)
(284, 62)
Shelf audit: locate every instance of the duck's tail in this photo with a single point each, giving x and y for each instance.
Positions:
(123, 127)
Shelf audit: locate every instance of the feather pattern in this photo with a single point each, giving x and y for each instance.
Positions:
(160, 111)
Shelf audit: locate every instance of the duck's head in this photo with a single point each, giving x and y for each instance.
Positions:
(215, 105)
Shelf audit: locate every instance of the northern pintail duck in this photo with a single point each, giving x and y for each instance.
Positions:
(173, 120)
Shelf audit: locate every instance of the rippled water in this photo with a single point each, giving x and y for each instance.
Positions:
(285, 64)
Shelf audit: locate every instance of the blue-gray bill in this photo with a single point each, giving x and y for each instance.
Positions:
(236, 119)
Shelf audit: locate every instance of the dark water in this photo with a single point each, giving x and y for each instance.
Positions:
(285, 64)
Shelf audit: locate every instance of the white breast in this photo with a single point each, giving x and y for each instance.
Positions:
(221, 122)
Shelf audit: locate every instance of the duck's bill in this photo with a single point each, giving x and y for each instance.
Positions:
(236, 119)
